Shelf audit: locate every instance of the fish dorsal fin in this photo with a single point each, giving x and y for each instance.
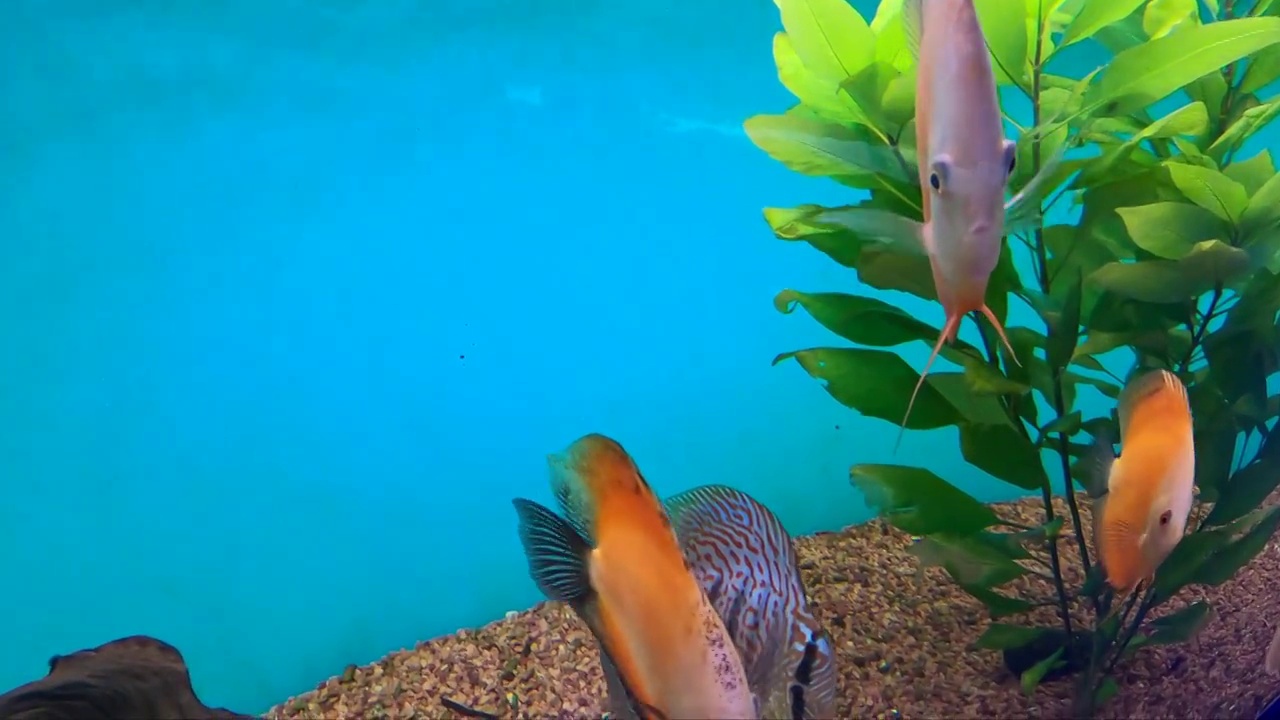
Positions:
(590, 468)
(1142, 388)
(746, 563)
(913, 25)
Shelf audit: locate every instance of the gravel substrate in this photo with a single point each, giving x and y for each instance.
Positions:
(901, 641)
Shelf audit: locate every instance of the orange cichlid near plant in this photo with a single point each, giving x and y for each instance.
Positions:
(1143, 236)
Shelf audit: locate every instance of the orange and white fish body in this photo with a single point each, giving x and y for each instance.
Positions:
(616, 560)
(1150, 487)
(964, 159)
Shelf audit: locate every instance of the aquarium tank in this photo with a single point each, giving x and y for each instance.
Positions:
(497, 359)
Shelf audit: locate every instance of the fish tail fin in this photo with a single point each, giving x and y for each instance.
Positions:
(1004, 338)
(948, 331)
(556, 552)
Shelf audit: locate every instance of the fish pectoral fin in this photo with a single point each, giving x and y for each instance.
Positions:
(557, 554)
(1099, 460)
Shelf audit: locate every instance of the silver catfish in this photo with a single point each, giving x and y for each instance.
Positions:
(964, 159)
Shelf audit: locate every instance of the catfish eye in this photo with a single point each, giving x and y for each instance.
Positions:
(934, 181)
(1165, 517)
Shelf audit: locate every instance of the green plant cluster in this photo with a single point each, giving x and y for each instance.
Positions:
(1171, 260)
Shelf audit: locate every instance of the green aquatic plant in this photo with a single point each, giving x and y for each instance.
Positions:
(1165, 254)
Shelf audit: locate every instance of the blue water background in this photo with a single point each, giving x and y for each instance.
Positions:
(295, 296)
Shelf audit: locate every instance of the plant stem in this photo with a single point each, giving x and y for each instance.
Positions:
(1055, 562)
(1198, 335)
(1011, 410)
(1148, 602)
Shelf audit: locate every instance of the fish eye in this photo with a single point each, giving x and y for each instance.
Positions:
(1165, 517)
(1010, 156)
(940, 171)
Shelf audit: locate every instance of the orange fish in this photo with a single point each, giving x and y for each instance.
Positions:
(1141, 512)
(616, 560)
(965, 161)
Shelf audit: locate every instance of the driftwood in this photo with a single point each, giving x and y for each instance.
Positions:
(137, 677)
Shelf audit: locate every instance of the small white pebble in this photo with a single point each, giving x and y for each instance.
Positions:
(512, 614)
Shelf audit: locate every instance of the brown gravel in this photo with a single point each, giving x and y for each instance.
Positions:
(901, 641)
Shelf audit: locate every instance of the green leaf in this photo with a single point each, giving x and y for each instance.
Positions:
(1263, 210)
(819, 95)
(1181, 626)
(1143, 75)
(1002, 636)
(1107, 689)
(1064, 326)
(812, 147)
(1250, 122)
(1094, 16)
(1211, 557)
(1170, 281)
(859, 319)
(985, 379)
(998, 605)
(832, 40)
(1004, 23)
(1245, 490)
(967, 559)
(1209, 189)
(1004, 453)
(1031, 678)
(1109, 389)
(1067, 425)
(1191, 119)
(1215, 442)
(1170, 229)
(876, 383)
(1264, 69)
(1253, 173)
(919, 502)
(872, 223)
(1160, 17)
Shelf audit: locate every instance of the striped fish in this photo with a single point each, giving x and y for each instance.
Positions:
(746, 563)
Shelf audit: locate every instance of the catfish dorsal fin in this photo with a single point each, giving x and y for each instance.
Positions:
(913, 25)
(948, 330)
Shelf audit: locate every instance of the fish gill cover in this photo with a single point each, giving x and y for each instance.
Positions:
(1142, 236)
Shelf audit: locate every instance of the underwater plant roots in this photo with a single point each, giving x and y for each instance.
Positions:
(903, 645)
